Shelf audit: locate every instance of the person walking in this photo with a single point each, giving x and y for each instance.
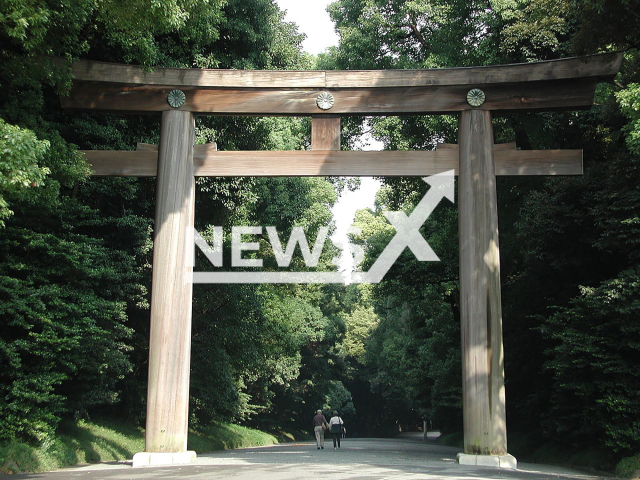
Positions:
(336, 425)
(319, 426)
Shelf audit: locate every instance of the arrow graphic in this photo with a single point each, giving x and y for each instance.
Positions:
(407, 235)
(408, 229)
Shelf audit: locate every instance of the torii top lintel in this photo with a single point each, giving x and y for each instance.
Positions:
(557, 84)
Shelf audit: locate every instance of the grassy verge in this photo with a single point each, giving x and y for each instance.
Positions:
(108, 441)
(455, 439)
(222, 436)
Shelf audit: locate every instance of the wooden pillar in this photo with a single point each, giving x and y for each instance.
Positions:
(480, 302)
(171, 289)
(325, 132)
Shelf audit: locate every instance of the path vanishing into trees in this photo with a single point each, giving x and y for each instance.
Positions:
(406, 457)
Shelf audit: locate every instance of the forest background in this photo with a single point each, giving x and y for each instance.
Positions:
(76, 251)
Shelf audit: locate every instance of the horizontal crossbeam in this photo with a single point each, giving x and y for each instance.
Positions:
(558, 84)
(602, 67)
(349, 101)
(208, 162)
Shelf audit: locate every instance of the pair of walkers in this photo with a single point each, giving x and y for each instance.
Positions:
(335, 427)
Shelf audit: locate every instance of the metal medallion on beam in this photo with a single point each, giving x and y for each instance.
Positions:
(550, 85)
(325, 100)
(176, 98)
(476, 97)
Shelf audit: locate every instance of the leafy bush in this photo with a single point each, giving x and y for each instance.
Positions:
(629, 467)
(595, 364)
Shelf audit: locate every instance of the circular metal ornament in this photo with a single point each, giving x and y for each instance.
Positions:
(475, 97)
(324, 100)
(176, 98)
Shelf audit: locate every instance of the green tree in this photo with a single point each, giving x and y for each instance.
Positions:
(20, 154)
(561, 238)
(411, 354)
(85, 302)
(596, 343)
(65, 338)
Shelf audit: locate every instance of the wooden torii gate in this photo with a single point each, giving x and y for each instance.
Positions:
(474, 93)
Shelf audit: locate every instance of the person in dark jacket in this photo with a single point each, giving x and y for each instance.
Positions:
(319, 426)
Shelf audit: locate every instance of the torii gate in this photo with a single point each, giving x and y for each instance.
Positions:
(474, 92)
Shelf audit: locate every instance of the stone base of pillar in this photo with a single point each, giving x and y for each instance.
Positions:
(499, 461)
(156, 459)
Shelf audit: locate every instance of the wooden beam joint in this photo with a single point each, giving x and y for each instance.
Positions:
(325, 132)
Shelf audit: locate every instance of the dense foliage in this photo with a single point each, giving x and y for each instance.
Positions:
(76, 251)
(569, 245)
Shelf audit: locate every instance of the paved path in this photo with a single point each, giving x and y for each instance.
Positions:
(406, 458)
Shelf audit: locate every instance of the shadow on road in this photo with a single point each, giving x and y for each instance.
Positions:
(404, 457)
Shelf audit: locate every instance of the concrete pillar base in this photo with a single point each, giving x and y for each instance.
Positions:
(156, 459)
(499, 461)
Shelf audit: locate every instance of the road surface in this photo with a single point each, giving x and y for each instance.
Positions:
(406, 458)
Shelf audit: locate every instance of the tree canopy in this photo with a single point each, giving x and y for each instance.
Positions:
(569, 250)
(76, 251)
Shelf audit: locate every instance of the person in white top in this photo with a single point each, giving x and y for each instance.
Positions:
(336, 426)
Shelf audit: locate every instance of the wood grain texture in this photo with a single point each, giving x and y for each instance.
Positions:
(496, 146)
(171, 288)
(484, 414)
(91, 71)
(210, 162)
(603, 67)
(540, 95)
(201, 149)
(122, 163)
(325, 132)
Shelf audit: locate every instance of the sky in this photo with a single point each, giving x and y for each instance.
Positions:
(314, 21)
